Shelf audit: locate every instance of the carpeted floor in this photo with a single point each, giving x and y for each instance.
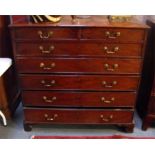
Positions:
(15, 130)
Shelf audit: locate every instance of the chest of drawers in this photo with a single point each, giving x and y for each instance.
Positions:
(79, 73)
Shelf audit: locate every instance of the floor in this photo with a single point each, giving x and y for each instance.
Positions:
(15, 130)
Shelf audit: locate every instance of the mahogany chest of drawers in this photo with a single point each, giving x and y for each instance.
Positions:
(79, 73)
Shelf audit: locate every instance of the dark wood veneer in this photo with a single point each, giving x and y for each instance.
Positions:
(78, 48)
(126, 35)
(78, 99)
(79, 82)
(72, 116)
(79, 65)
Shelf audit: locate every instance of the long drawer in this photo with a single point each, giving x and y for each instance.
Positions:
(44, 33)
(114, 35)
(75, 116)
(78, 82)
(78, 65)
(81, 48)
(78, 99)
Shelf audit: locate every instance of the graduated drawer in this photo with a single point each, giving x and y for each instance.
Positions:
(78, 65)
(78, 49)
(78, 99)
(34, 33)
(78, 82)
(75, 116)
(114, 34)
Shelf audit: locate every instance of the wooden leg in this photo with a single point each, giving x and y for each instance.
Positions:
(27, 127)
(146, 123)
(129, 128)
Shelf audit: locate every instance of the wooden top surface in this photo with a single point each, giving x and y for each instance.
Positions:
(92, 21)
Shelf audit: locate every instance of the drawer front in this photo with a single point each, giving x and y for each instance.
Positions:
(79, 65)
(45, 33)
(78, 49)
(114, 35)
(73, 116)
(79, 99)
(78, 82)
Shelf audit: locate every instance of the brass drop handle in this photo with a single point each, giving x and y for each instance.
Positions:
(106, 119)
(112, 35)
(52, 83)
(110, 85)
(50, 118)
(107, 101)
(48, 100)
(43, 66)
(45, 36)
(110, 68)
(113, 51)
(51, 48)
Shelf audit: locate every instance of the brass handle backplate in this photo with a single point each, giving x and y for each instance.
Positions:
(49, 100)
(107, 101)
(110, 67)
(51, 48)
(106, 119)
(112, 51)
(45, 36)
(112, 35)
(50, 118)
(46, 84)
(110, 85)
(43, 66)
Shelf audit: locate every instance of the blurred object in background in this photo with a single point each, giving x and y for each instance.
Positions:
(9, 87)
(45, 18)
(121, 18)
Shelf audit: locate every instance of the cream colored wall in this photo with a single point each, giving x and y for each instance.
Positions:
(143, 18)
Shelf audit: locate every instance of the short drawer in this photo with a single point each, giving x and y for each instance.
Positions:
(115, 35)
(79, 65)
(78, 82)
(78, 99)
(34, 33)
(75, 116)
(78, 49)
